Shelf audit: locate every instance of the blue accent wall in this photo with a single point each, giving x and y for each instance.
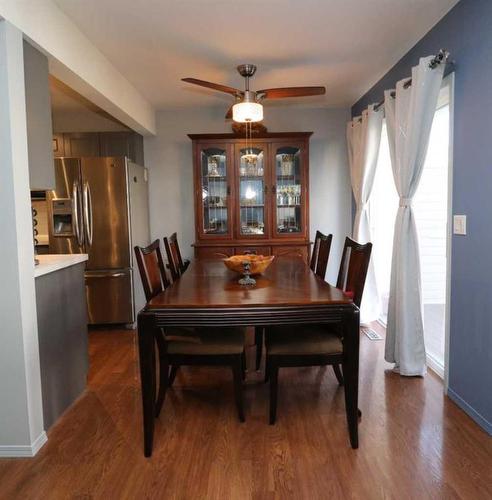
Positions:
(466, 31)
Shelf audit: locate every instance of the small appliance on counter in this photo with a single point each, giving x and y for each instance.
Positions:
(39, 209)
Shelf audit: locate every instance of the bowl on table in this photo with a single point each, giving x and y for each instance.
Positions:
(257, 263)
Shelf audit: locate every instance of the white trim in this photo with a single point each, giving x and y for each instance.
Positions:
(449, 80)
(434, 365)
(16, 451)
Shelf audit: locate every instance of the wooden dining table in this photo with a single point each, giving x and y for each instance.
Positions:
(208, 294)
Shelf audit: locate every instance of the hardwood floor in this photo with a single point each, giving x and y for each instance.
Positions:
(414, 442)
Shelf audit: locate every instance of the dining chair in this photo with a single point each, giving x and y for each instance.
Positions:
(321, 253)
(176, 264)
(316, 345)
(180, 346)
(318, 264)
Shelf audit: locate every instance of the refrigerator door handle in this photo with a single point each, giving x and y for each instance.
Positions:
(75, 211)
(104, 275)
(88, 222)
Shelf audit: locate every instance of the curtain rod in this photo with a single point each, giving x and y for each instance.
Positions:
(440, 58)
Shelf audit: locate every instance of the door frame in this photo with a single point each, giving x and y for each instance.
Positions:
(443, 371)
(449, 80)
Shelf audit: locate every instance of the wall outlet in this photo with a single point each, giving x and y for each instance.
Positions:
(459, 224)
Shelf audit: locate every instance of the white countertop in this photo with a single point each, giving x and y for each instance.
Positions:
(50, 263)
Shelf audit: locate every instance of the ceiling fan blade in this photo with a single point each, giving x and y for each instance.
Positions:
(228, 115)
(280, 93)
(215, 86)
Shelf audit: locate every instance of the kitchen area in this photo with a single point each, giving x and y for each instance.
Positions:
(89, 200)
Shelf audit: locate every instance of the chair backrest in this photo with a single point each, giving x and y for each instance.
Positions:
(321, 253)
(174, 259)
(151, 268)
(353, 269)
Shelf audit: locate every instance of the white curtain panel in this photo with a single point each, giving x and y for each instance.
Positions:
(409, 118)
(363, 138)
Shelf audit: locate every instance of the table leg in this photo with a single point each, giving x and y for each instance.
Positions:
(146, 350)
(351, 372)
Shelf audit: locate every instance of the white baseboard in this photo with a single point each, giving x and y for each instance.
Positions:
(435, 366)
(17, 451)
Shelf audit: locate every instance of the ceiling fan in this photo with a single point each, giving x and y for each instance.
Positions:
(248, 106)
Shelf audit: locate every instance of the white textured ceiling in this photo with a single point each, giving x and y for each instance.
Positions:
(345, 45)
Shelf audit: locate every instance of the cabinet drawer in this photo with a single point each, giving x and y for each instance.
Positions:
(252, 249)
(213, 252)
(301, 251)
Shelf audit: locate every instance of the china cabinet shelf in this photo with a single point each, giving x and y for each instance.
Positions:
(227, 170)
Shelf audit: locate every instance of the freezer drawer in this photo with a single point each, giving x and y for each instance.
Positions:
(109, 296)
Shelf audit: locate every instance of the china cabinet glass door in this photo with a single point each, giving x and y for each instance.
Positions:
(289, 211)
(215, 191)
(251, 174)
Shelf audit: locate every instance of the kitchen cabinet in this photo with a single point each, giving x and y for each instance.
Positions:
(58, 146)
(38, 119)
(62, 332)
(81, 144)
(251, 196)
(98, 144)
(129, 144)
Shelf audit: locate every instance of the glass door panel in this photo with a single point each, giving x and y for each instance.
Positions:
(215, 191)
(289, 182)
(251, 192)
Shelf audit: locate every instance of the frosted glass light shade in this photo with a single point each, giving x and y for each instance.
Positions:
(243, 112)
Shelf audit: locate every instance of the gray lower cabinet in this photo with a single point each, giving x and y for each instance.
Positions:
(63, 339)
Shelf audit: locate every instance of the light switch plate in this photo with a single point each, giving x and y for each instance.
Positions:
(459, 224)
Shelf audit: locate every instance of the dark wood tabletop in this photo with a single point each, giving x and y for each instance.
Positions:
(208, 294)
(288, 281)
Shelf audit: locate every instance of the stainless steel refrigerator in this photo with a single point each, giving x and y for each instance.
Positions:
(100, 207)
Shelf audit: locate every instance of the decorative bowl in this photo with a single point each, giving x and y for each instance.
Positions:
(257, 263)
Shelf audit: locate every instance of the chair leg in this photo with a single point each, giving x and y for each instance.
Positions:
(273, 369)
(243, 366)
(338, 374)
(172, 375)
(259, 345)
(238, 387)
(163, 384)
(267, 368)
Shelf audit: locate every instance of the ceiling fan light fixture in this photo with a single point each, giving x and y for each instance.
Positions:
(245, 112)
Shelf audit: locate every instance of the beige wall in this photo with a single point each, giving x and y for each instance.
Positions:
(168, 156)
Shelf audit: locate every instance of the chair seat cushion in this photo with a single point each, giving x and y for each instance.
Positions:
(302, 339)
(203, 341)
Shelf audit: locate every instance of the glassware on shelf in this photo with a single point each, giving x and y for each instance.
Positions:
(214, 191)
(289, 188)
(287, 164)
(251, 192)
(213, 166)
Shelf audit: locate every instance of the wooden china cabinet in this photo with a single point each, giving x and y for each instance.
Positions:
(251, 195)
